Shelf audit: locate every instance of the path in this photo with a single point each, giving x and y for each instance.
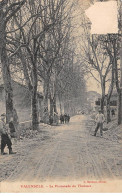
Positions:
(68, 152)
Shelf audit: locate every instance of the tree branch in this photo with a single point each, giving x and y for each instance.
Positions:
(15, 10)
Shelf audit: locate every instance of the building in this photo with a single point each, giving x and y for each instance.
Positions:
(22, 101)
(92, 97)
(113, 101)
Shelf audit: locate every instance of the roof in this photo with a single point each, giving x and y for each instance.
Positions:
(22, 85)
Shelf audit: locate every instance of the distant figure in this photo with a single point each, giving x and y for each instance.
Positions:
(62, 119)
(65, 118)
(113, 112)
(56, 118)
(50, 119)
(99, 120)
(5, 138)
(68, 118)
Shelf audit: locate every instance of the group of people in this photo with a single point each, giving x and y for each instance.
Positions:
(7, 131)
(64, 118)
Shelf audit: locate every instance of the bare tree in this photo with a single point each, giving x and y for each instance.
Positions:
(7, 11)
(31, 41)
(27, 39)
(97, 62)
(50, 54)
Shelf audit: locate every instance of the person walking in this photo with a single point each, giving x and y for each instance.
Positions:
(99, 120)
(62, 119)
(56, 118)
(65, 118)
(5, 139)
(113, 112)
(50, 119)
(68, 118)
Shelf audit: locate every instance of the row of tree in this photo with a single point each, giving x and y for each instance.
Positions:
(37, 38)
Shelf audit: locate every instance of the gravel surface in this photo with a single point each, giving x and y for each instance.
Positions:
(65, 152)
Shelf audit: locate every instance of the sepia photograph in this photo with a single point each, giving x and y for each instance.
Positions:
(60, 96)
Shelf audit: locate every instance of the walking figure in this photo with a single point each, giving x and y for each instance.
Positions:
(68, 118)
(5, 139)
(113, 112)
(65, 118)
(99, 120)
(62, 119)
(50, 119)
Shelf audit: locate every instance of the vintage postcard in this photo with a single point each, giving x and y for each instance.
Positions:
(61, 96)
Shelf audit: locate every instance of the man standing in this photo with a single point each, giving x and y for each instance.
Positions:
(5, 140)
(99, 120)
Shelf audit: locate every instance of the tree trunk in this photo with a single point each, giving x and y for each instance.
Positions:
(46, 90)
(120, 93)
(46, 115)
(120, 107)
(7, 86)
(102, 104)
(55, 101)
(34, 110)
(118, 87)
(16, 123)
(55, 110)
(5, 69)
(60, 104)
(109, 95)
(51, 106)
(54, 104)
(103, 94)
(34, 99)
(108, 110)
(25, 69)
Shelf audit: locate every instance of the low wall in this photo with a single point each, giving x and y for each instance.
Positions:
(25, 125)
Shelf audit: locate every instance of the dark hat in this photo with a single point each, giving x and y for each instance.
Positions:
(3, 114)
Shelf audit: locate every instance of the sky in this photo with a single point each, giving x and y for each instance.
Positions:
(91, 84)
(111, 15)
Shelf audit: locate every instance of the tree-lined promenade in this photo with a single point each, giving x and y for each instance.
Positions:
(39, 39)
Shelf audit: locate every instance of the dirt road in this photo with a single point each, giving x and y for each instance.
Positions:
(64, 152)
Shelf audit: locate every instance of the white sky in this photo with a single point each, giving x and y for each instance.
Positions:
(91, 83)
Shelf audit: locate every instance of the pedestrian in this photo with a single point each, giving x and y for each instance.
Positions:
(99, 120)
(68, 118)
(113, 112)
(5, 139)
(62, 119)
(65, 117)
(50, 119)
(56, 118)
